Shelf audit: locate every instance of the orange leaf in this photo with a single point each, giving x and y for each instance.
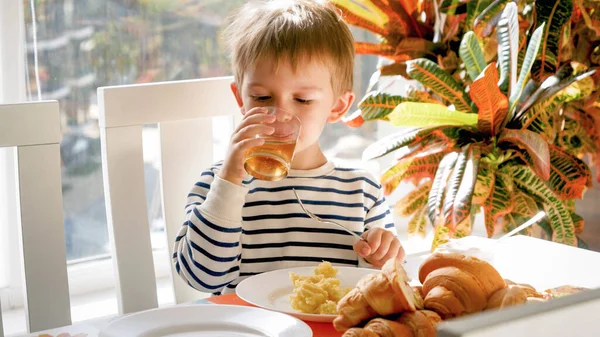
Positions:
(492, 103)
(535, 146)
(499, 203)
(380, 49)
(355, 120)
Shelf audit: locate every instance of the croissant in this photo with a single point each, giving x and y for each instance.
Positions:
(422, 323)
(386, 328)
(511, 295)
(359, 332)
(484, 274)
(458, 288)
(383, 293)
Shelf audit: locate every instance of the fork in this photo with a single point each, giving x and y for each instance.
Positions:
(321, 220)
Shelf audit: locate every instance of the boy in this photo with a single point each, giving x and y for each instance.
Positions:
(296, 55)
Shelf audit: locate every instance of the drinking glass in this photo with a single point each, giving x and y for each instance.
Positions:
(272, 160)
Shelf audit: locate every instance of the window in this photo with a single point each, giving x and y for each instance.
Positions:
(72, 47)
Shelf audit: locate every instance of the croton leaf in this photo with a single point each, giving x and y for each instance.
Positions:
(442, 83)
(418, 222)
(414, 200)
(378, 105)
(414, 114)
(359, 16)
(487, 15)
(578, 223)
(412, 47)
(465, 227)
(354, 120)
(421, 96)
(514, 220)
(563, 230)
(471, 54)
(449, 6)
(441, 235)
(492, 103)
(532, 50)
(483, 186)
(464, 196)
(454, 183)
(524, 205)
(552, 85)
(380, 49)
(500, 202)
(554, 14)
(474, 8)
(578, 137)
(570, 177)
(436, 194)
(508, 47)
(394, 69)
(422, 166)
(537, 117)
(442, 134)
(534, 144)
(406, 10)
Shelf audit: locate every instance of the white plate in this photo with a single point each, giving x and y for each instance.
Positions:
(272, 290)
(207, 320)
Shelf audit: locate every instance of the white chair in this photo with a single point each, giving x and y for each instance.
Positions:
(183, 111)
(34, 129)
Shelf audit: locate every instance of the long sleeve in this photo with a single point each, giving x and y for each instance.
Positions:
(207, 251)
(378, 215)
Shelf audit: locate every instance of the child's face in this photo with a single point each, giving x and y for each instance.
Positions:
(307, 93)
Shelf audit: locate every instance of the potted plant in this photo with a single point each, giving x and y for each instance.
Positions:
(480, 140)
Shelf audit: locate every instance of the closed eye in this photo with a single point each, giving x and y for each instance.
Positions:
(261, 98)
(303, 101)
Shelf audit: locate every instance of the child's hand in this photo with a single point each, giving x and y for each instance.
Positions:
(243, 138)
(381, 245)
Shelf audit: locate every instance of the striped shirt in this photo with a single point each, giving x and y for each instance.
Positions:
(232, 232)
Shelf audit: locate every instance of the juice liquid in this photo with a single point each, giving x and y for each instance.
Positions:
(270, 161)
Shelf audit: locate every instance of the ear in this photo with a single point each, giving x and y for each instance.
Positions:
(237, 93)
(341, 106)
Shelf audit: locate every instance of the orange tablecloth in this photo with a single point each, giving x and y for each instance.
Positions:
(319, 329)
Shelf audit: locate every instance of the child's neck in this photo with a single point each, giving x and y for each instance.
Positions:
(310, 158)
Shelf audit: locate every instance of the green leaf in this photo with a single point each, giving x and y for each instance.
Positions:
(472, 55)
(499, 203)
(418, 222)
(413, 201)
(417, 167)
(377, 105)
(410, 138)
(438, 186)
(537, 117)
(474, 8)
(534, 144)
(464, 196)
(532, 50)
(563, 230)
(551, 86)
(483, 186)
(578, 223)
(453, 184)
(525, 205)
(508, 47)
(441, 235)
(555, 14)
(492, 103)
(487, 15)
(442, 83)
(449, 6)
(429, 114)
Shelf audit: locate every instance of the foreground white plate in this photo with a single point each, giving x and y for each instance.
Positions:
(207, 320)
(272, 290)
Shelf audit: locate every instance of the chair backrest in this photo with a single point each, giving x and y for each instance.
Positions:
(34, 129)
(183, 111)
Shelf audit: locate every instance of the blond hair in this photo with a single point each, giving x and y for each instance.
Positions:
(292, 30)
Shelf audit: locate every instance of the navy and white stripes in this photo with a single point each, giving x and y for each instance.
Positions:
(233, 232)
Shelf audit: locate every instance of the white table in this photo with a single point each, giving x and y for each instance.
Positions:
(521, 259)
